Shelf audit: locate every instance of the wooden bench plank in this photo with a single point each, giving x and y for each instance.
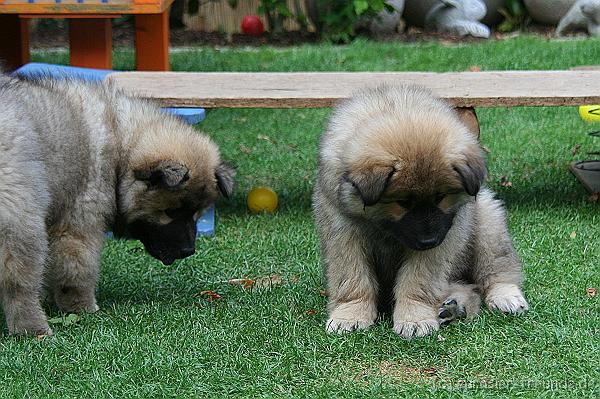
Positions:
(324, 89)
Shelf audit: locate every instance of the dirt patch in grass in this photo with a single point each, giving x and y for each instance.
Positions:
(395, 372)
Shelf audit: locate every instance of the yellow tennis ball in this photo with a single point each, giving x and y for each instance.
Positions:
(262, 199)
(590, 113)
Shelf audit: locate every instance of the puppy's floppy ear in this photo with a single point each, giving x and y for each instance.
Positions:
(225, 174)
(168, 174)
(472, 172)
(370, 182)
(469, 118)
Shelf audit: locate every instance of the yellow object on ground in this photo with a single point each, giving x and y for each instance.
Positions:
(590, 113)
(262, 199)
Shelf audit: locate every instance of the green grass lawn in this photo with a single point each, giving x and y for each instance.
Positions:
(156, 336)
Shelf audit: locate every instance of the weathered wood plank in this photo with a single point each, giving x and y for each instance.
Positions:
(324, 89)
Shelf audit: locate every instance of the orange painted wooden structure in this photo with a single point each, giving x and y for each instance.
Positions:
(90, 32)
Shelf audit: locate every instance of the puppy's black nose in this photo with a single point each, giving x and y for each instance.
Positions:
(427, 243)
(185, 252)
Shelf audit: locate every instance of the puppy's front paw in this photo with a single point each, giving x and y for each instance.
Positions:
(451, 311)
(25, 317)
(349, 316)
(343, 326)
(76, 300)
(414, 319)
(506, 298)
(416, 329)
(37, 326)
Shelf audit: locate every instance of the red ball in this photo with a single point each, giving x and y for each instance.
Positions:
(252, 25)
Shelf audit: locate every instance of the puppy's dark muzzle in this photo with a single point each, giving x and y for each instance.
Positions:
(185, 252)
(423, 227)
(167, 243)
(167, 258)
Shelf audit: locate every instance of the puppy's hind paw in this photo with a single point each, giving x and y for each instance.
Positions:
(507, 298)
(451, 311)
(514, 304)
(340, 326)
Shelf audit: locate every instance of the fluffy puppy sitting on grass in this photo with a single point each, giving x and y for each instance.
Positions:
(404, 222)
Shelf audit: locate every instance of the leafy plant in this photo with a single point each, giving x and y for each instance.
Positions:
(300, 17)
(337, 19)
(515, 16)
(276, 11)
(65, 320)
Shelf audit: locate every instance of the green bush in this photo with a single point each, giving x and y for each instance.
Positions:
(336, 20)
(515, 16)
(276, 11)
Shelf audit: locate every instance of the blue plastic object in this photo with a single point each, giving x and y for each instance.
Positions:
(206, 224)
(37, 69)
(190, 115)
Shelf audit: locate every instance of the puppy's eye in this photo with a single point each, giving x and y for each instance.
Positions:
(439, 198)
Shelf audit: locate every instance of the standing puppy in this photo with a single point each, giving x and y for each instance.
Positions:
(403, 220)
(75, 160)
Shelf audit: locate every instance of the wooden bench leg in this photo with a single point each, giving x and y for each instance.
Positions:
(469, 117)
(14, 41)
(152, 42)
(90, 42)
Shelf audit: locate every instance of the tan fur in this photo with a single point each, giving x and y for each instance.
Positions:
(77, 159)
(387, 150)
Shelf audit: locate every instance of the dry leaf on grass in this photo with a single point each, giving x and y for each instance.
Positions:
(266, 138)
(323, 293)
(210, 296)
(244, 282)
(258, 283)
(475, 68)
(268, 282)
(591, 292)
(245, 150)
(594, 197)
(575, 149)
(310, 312)
(573, 234)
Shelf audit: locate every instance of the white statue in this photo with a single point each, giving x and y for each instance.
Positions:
(458, 17)
(387, 22)
(584, 14)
